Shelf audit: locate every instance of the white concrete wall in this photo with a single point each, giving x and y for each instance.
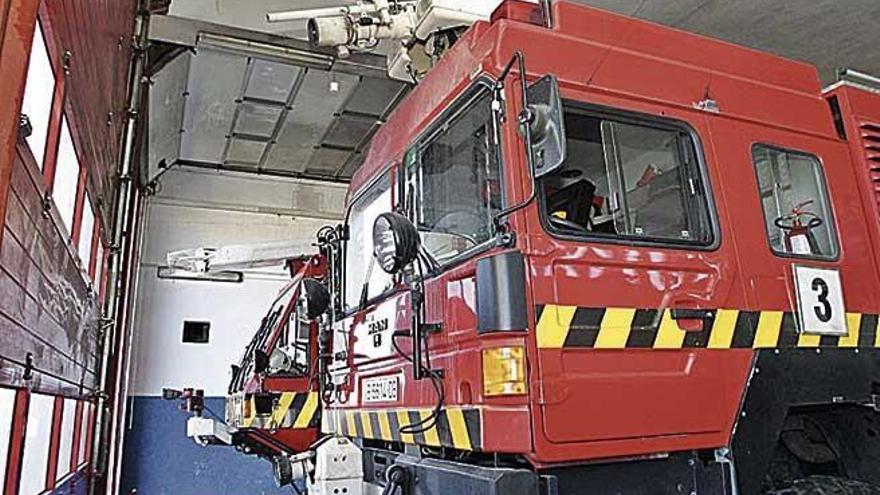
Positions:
(197, 208)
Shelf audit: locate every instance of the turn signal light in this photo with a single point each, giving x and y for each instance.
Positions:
(504, 371)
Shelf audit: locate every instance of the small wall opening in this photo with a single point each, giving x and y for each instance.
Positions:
(196, 332)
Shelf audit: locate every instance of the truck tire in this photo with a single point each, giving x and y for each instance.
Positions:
(827, 485)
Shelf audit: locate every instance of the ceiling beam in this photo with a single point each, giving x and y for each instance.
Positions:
(185, 32)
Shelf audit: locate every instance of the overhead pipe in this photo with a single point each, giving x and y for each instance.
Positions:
(306, 14)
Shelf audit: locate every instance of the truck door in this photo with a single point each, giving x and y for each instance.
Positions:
(633, 281)
(800, 224)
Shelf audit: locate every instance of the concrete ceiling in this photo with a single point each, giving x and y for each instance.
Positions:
(827, 33)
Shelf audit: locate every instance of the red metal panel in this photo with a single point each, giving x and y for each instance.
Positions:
(54, 443)
(18, 22)
(16, 442)
(93, 261)
(96, 84)
(78, 210)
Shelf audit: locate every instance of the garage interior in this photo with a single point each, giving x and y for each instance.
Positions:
(252, 138)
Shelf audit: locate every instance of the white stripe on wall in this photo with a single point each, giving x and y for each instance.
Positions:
(35, 460)
(7, 404)
(84, 432)
(65, 447)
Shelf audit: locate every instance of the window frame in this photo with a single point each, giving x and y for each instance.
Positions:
(666, 123)
(464, 102)
(823, 183)
(392, 176)
(397, 172)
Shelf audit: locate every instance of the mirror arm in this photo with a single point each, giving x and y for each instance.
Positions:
(525, 117)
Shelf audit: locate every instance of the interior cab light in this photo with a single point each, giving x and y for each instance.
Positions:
(504, 371)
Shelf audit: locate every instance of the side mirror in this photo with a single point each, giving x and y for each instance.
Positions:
(315, 298)
(547, 125)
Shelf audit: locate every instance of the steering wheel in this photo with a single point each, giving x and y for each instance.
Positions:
(790, 222)
(564, 224)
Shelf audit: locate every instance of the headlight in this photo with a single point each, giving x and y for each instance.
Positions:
(395, 242)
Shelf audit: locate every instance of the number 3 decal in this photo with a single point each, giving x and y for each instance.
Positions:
(823, 310)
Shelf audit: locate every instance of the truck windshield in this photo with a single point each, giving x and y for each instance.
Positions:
(454, 182)
(359, 265)
(626, 178)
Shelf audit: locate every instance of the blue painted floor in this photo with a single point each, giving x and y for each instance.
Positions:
(159, 459)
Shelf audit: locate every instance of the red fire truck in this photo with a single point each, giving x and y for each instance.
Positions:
(589, 254)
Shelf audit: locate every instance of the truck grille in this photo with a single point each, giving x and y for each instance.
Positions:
(870, 133)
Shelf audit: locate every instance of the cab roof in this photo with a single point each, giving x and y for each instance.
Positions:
(595, 50)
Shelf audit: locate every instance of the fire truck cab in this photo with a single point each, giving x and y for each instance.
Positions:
(597, 255)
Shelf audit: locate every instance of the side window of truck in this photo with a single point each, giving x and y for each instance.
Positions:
(794, 197)
(628, 179)
(360, 270)
(453, 181)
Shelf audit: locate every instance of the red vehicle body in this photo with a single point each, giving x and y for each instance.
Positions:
(639, 357)
(276, 410)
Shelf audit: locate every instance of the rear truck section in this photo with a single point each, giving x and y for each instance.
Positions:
(272, 404)
(589, 254)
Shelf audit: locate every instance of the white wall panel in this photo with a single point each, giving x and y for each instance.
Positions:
(87, 234)
(84, 432)
(193, 209)
(7, 403)
(36, 445)
(38, 93)
(66, 177)
(65, 447)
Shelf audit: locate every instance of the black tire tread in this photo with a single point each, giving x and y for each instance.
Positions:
(827, 485)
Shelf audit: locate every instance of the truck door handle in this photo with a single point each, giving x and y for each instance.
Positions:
(693, 320)
(693, 314)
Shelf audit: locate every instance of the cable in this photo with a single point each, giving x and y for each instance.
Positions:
(424, 424)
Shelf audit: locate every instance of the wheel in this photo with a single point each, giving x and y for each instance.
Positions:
(827, 485)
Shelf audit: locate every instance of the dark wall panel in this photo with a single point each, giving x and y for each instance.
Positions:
(47, 308)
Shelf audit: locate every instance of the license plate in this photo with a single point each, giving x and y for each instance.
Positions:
(381, 389)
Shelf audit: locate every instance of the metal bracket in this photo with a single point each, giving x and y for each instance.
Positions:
(28, 367)
(46, 205)
(25, 128)
(708, 105)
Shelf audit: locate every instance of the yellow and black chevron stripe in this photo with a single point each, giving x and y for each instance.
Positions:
(618, 328)
(291, 410)
(458, 428)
